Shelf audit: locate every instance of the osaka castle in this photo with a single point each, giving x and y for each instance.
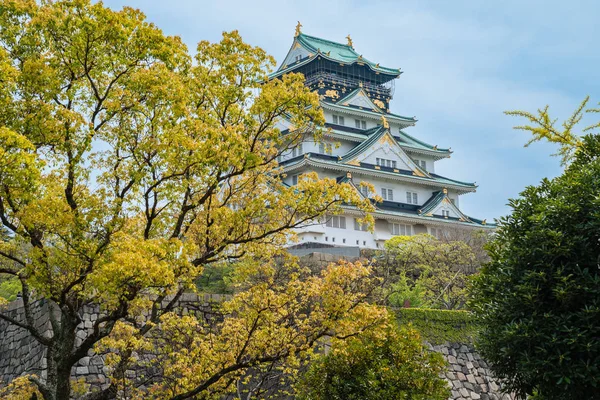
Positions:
(364, 142)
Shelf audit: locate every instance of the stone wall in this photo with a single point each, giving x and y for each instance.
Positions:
(468, 375)
(20, 354)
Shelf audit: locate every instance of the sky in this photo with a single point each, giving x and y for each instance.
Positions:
(464, 63)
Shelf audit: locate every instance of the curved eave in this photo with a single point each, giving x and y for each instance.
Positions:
(404, 122)
(424, 144)
(303, 40)
(420, 219)
(300, 162)
(435, 154)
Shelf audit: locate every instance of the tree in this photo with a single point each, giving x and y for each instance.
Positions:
(126, 168)
(427, 271)
(538, 300)
(390, 363)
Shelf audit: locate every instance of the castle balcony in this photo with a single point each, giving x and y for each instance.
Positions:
(328, 78)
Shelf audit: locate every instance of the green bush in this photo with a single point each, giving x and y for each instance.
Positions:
(440, 326)
(9, 288)
(374, 367)
(538, 300)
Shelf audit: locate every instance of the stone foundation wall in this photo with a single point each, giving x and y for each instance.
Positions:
(468, 375)
(21, 354)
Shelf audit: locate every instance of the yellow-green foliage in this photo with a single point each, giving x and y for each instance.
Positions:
(440, 326)
(128, 165)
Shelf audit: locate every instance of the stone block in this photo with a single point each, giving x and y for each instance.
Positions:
(82, 371)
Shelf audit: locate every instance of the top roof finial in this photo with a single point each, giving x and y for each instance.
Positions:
(384, 122)
(298, 29)
(350, 41)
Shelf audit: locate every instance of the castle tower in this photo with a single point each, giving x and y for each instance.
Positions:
(365, 142)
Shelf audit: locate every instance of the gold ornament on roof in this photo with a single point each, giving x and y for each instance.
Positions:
(350, 41)
(445, 191)
(384, 122)
(377, 65)
(298, 29)
(328, 53)
(484, 222)
(332, 93)
(379, 103)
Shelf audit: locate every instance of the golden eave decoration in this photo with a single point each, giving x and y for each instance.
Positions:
(384, 122)
(416, 172)
(350, 41)
(298, 29)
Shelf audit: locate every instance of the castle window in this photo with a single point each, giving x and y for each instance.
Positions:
(401, 229)
(387, 194)
(338, 119)
(360, 124)
(296, 151)
(424, 165)
(298, 57)
(382, 162)
(294, 180)
(325, 148)
(336, 221)
(364, 190)
(412, 198)
(360, 227)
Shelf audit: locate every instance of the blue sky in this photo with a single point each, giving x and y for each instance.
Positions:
(464, 63)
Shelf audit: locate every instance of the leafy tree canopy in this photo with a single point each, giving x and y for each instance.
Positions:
(428, 272)
(383, 365)
(127, 166)
(538, 300)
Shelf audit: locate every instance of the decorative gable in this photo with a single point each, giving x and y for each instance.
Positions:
(382, 150)
(440, 205)
(359, 98)
(296, 53)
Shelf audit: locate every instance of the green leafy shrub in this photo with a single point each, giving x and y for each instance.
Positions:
(9, 288)
(538, 300)
(440, 326)
(374, 367)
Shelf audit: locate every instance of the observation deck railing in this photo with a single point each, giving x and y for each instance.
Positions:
(327, 77)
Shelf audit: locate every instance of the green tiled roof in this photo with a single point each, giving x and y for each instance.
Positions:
(340, 52)
(374, 135)
(389, 116)
(419, 144)
(330, 160)
(337, 52)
